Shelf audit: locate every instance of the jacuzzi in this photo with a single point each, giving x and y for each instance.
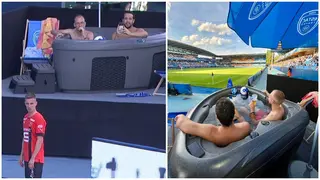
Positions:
(109, 64)
(195, 157)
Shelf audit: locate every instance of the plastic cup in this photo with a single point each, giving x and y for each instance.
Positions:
(254, 98)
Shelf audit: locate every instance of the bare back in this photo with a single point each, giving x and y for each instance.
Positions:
(275, 115)
(222, 136)
(219, 135)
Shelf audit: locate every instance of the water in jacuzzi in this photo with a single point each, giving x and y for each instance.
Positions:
(242, 105)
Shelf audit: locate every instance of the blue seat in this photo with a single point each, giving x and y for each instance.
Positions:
(30, 53)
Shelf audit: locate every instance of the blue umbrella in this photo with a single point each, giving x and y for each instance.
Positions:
(266, 24)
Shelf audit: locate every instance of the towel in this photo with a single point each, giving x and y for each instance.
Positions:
(46, 38)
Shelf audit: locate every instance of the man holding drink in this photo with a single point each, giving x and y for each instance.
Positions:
(126, 29)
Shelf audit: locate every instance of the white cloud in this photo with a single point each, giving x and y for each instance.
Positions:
(221, 29)
(190, 38)
(215, 41)
(193, 37)
(185, 39)
(195, 22)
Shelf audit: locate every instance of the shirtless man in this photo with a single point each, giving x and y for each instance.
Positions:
(79, 32)
(222, 135)
(275, 98)
(128, 30)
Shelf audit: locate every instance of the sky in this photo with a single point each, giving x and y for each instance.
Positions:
(204, 25)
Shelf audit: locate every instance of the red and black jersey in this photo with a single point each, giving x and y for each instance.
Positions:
(33, 127)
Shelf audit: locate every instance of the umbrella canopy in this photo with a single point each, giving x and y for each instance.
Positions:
(268, 24)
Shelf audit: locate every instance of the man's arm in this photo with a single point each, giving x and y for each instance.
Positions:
(21, 154)
(114, 36)
(303, 102)
(62, 31)
(252, 114)
(237, 116)
(40, 132)
(37, 147)
(266, 92)
(253, 118)
(187, 126)
(140, 33)
(90, 36)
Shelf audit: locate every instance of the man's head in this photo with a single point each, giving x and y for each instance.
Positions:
(225, 111)
(79, 22)
(276, 97)
(128, 19)
(30, 102)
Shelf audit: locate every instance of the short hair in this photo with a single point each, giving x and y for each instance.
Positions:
(79, 15)
(30, 95)
(279, 96)
(130, 12)
(225, 111)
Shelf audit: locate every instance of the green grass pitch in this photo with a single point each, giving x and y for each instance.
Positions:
(203, 76)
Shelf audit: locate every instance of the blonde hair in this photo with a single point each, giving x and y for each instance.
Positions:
(279, 96)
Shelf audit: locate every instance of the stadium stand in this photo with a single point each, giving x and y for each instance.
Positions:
(181, 56)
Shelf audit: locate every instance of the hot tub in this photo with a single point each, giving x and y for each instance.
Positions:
(108, 64)
(195, 157)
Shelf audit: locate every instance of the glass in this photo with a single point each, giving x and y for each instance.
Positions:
(254, 99)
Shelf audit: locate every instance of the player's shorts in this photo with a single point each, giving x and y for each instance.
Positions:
(37, 170)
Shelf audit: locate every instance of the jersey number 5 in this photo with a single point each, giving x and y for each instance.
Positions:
(26, 136)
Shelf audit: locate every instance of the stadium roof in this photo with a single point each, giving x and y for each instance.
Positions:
(208, 53)
(190, 48)
(244, 55)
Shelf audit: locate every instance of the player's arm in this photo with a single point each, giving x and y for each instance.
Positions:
(21, 154)
(40, 131)
(37, 147)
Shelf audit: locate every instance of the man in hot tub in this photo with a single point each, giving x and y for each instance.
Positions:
(222, 135)
(126, 29)
(275, 99)
(79, 32)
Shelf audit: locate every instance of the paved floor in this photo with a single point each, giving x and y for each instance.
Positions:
(55, 167)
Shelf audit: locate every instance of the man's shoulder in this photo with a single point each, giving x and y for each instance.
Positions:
(140, 29)
(39, 117)
(89, 32)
